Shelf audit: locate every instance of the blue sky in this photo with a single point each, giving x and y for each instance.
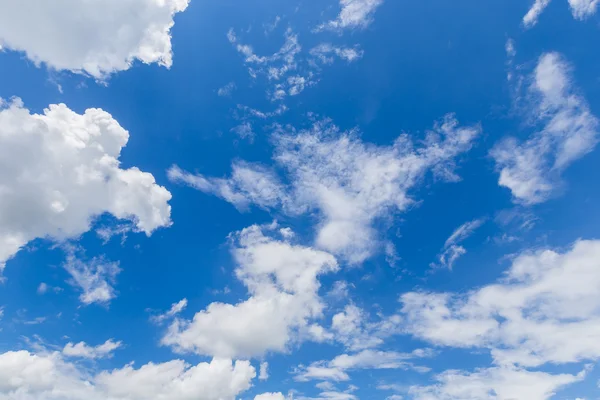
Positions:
(333, 200)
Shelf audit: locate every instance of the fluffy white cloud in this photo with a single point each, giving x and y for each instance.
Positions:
(83, 350)
(494, 384)
(96, 38)
(452, 250)
(546, 310)
(353, 14)
(350, 183)
(581, 9)
(532, 169)
(282, 279)
(61, 169)
(28, 376)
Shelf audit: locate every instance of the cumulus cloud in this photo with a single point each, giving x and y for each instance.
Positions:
(350, 183)
(544, 311)
(29, 376)
(353, 14)
(282, 280)
(61, 170)
(494, 383)
(83, 350)
(96, 38)
(532, 169)
(452, 250)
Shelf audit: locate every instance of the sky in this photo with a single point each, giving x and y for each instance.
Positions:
(299, 200)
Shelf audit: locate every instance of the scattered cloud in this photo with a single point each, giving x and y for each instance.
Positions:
(531, 18)
(349, 182)
(226, 90)
(325, 52)
(532, 169)
(83, 350)
(337, 369)
(264, 371)
(94, 278)
(452, 249)
(106, 37)
(61, 170)
(175, 309)
(353, 14)
(270, 396)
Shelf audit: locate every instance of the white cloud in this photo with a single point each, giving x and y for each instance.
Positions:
(226, 90)
(28, 376)
(337, 369)
(545, 311)
(263, 375)
(97, 38)
(175, 309)
(61, 170)
(581, 10)
(531, 18)
(451, 250)
(324, 52)
(244, 131)
(270, 396)
(282, 279)
(350, 183)
(42, 288)
(95, 278)
(494, 383)
(248, 184)
(532, 169)
(83, 350)
(353, 14)
(275, 67)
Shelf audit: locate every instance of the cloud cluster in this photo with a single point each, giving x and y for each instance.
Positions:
(61, 169)
(581, 9)
(96, 38)
(48, 376)
(350, 183)
(282, 280)
(353, 14)
(545, 311)
(532, 169)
